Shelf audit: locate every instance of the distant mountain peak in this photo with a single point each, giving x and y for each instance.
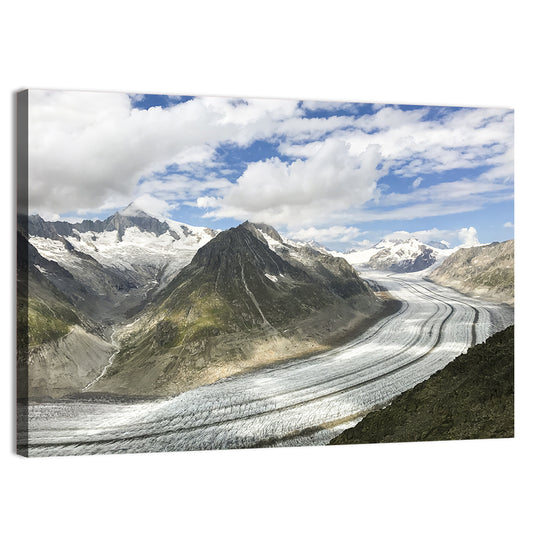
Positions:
(397, 255)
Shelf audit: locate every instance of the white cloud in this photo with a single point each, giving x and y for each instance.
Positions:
(93, 151)
(462, 139)
(468, 236)
(411, 147)
(339, 234)
(87, 148)
(181, 187)
(361, 245)
(460, 190)
(155, 207)
(301, 129)
(207, 202)
(302, 192)
(314, 105)
(508, 225)
(390, 118)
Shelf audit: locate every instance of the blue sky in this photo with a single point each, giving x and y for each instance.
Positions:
(343, 174)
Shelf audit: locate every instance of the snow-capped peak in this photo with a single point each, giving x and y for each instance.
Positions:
(409, 255)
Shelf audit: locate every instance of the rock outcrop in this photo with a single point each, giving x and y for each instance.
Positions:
(483, 271)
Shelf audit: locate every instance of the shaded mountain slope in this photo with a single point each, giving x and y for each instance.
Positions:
(484, 271)
(471, 398)
(236, 305)
(43, 312)
(59, 350)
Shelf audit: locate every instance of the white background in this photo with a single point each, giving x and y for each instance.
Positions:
(455, 53)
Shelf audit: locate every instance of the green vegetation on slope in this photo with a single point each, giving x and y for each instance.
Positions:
(43, 313)
(238, 304)
(48, 321)
(471, 398)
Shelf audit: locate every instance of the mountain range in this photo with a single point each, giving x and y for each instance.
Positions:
(176, 305)
(123, 258)
(239, 304)
(409, 255)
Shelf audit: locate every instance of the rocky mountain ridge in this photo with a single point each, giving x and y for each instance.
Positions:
(399, 256)
(115, 264)
(180, 306)
(483, 271)
(239, 304)
(186, 304)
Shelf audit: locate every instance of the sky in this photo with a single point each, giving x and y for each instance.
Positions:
(342, 174)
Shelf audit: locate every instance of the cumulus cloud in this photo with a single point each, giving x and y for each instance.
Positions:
(90, 152)
(465, 139)
(86, 149)
(315, 105)
(508, 225)
(307, 190)
(412, 144)
(155, 207)
(340, 234)
(468, 236)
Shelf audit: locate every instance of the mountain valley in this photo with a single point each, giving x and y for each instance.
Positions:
(179, 306)
(236, 338)
(175, 306)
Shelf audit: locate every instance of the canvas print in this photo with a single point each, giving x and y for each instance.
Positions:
(202, 273)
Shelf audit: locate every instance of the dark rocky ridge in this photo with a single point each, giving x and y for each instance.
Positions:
(230, 306)
(256, 229)
(55, 230)
(237, 254)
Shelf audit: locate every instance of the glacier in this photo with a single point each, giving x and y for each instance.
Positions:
(303, 401)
